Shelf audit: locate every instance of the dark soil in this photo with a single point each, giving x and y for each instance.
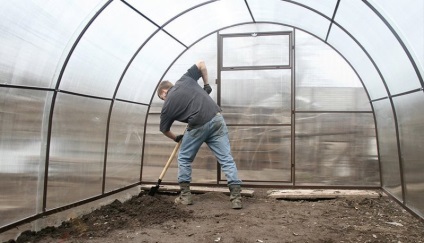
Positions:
(156, 219)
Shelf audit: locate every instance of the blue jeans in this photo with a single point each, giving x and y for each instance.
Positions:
(215, 134)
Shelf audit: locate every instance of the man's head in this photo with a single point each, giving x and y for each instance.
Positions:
(163, 88)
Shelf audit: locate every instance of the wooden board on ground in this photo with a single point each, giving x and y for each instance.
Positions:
(320, 193)
(198, 189)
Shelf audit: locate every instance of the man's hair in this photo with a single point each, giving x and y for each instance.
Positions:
(164, 85)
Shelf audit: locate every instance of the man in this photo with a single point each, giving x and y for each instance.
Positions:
(187, 102)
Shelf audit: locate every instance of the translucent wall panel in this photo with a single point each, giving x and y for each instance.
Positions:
(336, 149)
(325, 7)
(317, 64)
(34, 35)
(289, 14)
(331, 99)
(104, 51)
(21, 152)
(359, 61)
(260, 50)
(406, 25)
(380, 43)
(206, 50)
(252, 28)
(208, 18)
(159, 14)
(158, 149)
(145, 72)
(126, 134)
(410, 113)
(324, 81)
(261, 153)
(389, 157)
(269, 104)
(77, 149)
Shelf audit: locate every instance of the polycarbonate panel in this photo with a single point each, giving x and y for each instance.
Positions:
(325, 7)
(145, 72)
(261, 153)
(158, 149)
(21, 153)
(270, 103)
(289, 14)
(253, 28)
(34, 36)
(208, 18)
(105, 50)
(380, 43)
(359, 61)
(336, 149)
(256, 50)
(77, 149)
(389, 157)
(318, 65)
(205, 50)
(331, 99)
(324, 81)
(410, 114)
(125, 144)
(161, 11)
(407, 25)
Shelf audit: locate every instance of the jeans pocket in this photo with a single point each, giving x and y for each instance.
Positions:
(219, 127)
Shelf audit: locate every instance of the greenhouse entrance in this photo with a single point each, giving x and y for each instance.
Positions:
(255, 90)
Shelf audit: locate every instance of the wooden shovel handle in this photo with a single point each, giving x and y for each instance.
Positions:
(170, 160)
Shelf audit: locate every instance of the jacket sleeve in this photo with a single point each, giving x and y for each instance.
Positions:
(194, 72)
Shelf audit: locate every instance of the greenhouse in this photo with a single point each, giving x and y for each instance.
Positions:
(315, 94)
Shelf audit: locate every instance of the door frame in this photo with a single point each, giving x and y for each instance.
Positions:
(290, 66)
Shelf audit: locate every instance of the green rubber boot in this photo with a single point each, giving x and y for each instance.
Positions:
(235, 196)
(185, 195)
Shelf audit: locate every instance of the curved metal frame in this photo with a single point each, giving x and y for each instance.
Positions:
(56, 90)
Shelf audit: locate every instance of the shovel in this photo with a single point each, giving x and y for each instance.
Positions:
(154, 189)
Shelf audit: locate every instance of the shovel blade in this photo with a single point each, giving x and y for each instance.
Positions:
(155, 189)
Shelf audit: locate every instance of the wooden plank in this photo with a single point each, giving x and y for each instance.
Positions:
(320, 193)
(198, 189)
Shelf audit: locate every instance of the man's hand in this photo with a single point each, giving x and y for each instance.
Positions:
(207, 88)
(178, 138)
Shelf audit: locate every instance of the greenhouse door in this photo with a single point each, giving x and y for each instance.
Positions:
(254, 86)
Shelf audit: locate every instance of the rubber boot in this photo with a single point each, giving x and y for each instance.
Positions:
(185, 195)
(235, 196)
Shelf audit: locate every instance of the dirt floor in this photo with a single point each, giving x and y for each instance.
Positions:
(144, 218)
